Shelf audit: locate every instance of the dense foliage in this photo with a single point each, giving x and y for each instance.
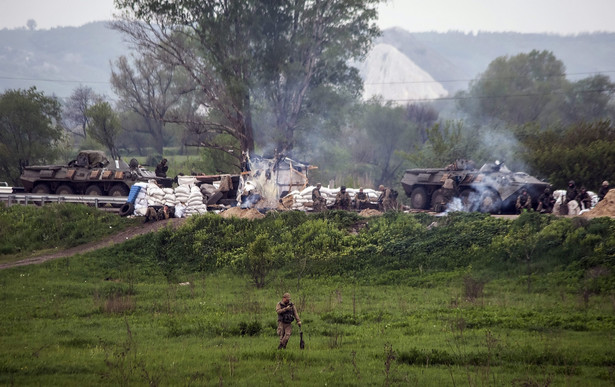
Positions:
(387, 249)
(30, 131)
(584, 153)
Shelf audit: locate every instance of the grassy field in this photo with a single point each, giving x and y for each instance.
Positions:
(66, 323)
(394, 300)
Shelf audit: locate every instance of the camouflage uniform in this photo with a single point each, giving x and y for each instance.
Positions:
(545, 202)
(386, 201)
(585, 199)
(319, 203)
(342, 199)
(361, 200)
(524, 202)
(162, 168)
(286, 314)
(603, 190)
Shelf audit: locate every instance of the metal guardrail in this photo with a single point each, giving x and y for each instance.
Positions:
(40, 199)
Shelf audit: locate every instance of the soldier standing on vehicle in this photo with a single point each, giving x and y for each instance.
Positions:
(162, 168)
(342, 199)
(361, 200)
(319, 203)
(286, 314)
(603, 190)
(524, 202)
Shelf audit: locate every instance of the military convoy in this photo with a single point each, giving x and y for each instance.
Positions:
(90, 174)
(493, 188)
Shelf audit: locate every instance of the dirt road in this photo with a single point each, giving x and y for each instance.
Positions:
(111, 240)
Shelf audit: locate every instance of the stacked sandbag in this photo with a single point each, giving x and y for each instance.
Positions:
(195, 204)
(302, 200)
(169, 197)
(182, 193)
(141, 199)
(155, 194)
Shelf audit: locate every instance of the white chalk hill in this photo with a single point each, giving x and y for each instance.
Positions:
(389, 73)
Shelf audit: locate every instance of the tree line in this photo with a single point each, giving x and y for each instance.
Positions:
(274, 78)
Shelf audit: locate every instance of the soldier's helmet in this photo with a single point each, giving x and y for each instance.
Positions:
(605, 183)
(343, 188)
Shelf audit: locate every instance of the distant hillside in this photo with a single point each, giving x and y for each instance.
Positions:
(402, 65)
(59, 59)
(452, 58)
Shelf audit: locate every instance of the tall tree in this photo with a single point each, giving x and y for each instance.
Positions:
(533, 87)
(104, 126)
(150, 89)
(384, 132)
(29, 131)
(235, 50)
(306, 47)
(76, 106)
(516, 90)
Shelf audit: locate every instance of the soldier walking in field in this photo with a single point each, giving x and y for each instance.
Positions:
(286, 314)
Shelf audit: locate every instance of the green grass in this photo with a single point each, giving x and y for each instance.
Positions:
(25, 230)
(398, 303)
(64, 324)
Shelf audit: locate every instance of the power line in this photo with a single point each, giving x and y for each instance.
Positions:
(494, 78)
(369, 83)
(51, 80)
(454, 98)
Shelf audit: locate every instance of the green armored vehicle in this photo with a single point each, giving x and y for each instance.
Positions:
(90, 174)
(493, 188)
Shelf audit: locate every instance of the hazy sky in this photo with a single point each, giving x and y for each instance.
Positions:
(554, 16)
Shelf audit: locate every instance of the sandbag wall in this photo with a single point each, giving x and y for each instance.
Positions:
(302, 200)
(186, 198)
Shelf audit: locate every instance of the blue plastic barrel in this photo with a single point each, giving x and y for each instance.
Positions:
(132, 195)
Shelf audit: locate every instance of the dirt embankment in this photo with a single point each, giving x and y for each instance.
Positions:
(113, 239)
(605, 207)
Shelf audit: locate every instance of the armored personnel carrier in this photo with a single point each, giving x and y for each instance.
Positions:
(90, 174)
(493, 188)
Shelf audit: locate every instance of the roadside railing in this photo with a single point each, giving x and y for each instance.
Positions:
(41, 199)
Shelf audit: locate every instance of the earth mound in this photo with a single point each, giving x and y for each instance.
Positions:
(605, 207)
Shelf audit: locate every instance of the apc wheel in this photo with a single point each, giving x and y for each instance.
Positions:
(64, 189)
(41, 189)
(438, 201)
(490, 202)
(93, 190)
(118, 190)
(418, 198)
(469, 200)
